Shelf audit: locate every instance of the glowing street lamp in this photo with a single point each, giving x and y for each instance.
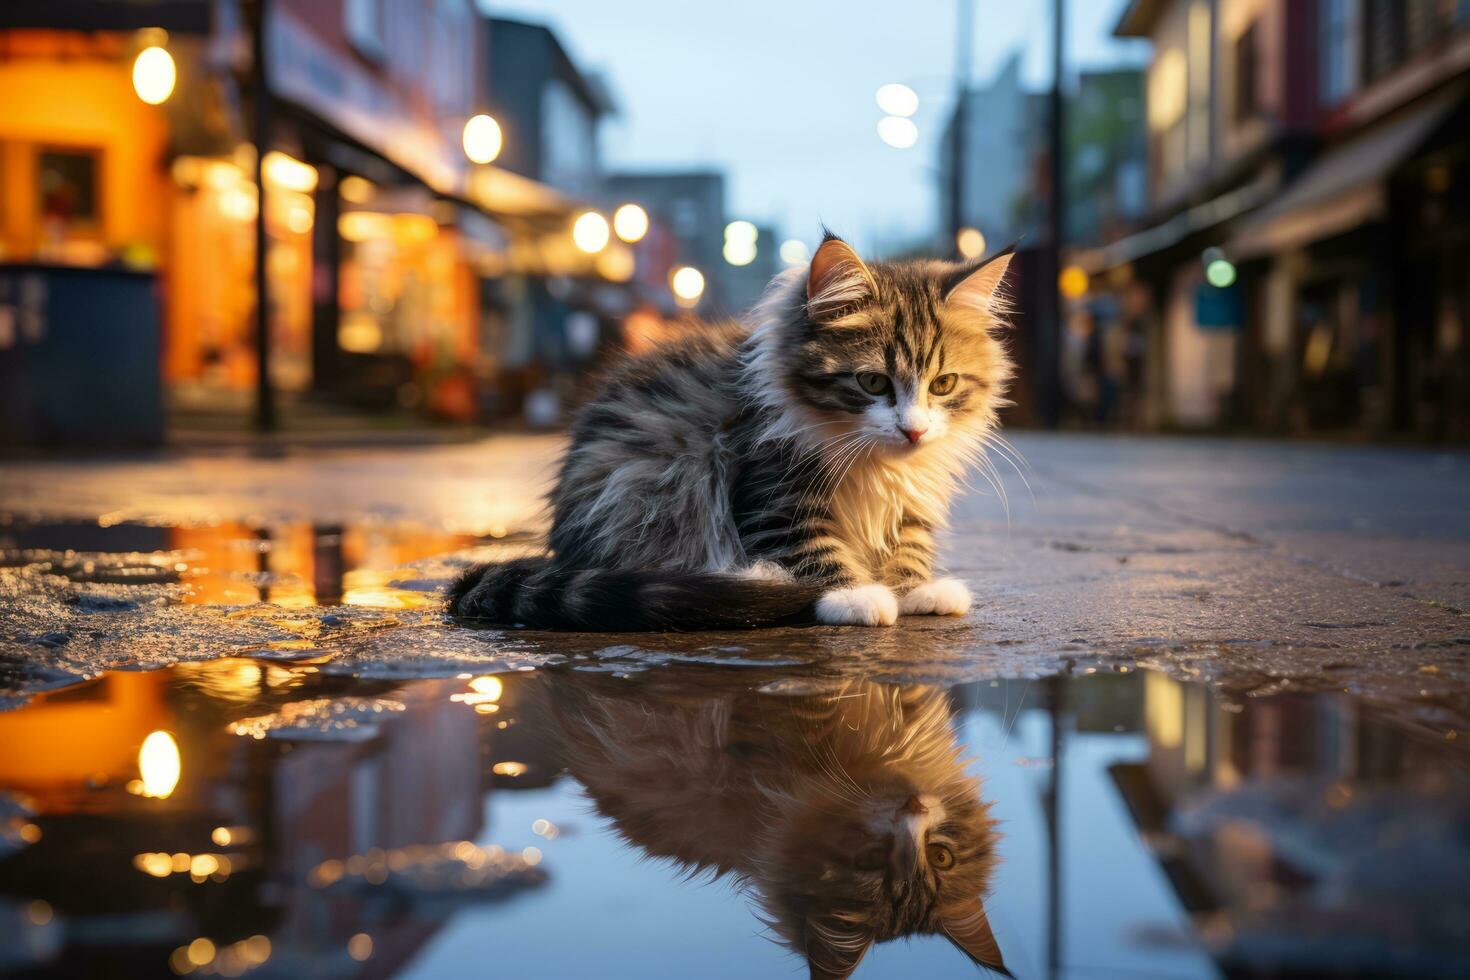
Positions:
(482, 139)
(687, 283)
(590, 232)
(898, 100)
(154, 75)
(1073, 282)
(1219, 271)
(631, 223)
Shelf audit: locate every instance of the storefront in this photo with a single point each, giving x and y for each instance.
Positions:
(112, 156)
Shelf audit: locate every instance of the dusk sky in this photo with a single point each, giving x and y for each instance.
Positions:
(780, 94)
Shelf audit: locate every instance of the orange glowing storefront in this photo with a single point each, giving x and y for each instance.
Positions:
(373, 263)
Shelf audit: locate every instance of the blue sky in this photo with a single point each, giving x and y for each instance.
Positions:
(779, 93)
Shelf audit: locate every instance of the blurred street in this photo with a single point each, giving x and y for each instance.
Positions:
(1248, 561)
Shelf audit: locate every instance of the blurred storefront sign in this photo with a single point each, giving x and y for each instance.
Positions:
(329, 83)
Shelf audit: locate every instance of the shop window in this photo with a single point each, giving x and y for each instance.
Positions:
(1247, 67)
(68, 197)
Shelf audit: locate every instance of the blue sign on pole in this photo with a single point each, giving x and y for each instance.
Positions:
(1218, 309)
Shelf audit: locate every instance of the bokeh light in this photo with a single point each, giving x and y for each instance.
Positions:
(159, 765)
(1220, 273)
(898, 132)
(630, 222)
(590, 232)
(687, 283)
(897, 99)
(741, 231)
(970, 242)
(794, 251)
(1073, 282)
(154, 75)
(482, 139)
(739, 251)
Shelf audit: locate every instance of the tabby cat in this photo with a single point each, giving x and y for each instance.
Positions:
(795, 470)
(848, 815)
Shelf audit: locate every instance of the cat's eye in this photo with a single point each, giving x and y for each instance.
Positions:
(872, 382)
(943, 384)
(939, 856)
(871, 859)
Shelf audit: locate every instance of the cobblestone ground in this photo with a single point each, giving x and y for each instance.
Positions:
(1260, 566)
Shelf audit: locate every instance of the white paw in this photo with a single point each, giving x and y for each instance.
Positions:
(860, 605)
(765, 571)
(941, 597)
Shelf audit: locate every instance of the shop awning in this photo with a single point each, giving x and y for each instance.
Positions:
(1169, 233)
(179, 16)
(1342, 190)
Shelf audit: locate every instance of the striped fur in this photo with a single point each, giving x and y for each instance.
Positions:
(698, 469)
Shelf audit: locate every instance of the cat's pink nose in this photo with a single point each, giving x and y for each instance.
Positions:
(914, 435)
(915, 806)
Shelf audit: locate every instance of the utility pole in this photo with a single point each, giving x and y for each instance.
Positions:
(964, 43)
(265, 399)
(1051, 804)
(1056, 232)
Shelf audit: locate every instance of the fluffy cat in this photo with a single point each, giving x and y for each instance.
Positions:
(849, 815)
(793, 471)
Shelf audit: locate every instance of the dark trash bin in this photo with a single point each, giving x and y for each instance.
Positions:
(79, 357)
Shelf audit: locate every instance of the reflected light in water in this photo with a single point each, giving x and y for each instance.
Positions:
(490, 687)
(482, 695)
(360, 946)
(159, 765)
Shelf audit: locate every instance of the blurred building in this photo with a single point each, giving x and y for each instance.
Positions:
(998, 186)
(691, 206)
(1001, 135)
(1303, 264)
(1107, 156)
(403, 278)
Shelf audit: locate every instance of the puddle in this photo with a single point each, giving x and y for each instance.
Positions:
(263, 818)
(293, 565)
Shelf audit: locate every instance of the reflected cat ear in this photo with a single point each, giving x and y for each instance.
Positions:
(833, 953)
(837, 279)
(969, 929)
(974, 284)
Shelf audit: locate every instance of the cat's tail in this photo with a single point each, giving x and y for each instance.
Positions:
(537, 593)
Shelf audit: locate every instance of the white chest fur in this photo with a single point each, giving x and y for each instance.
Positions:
(871, 502)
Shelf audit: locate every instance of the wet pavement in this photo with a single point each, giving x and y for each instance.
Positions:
(1215, 694)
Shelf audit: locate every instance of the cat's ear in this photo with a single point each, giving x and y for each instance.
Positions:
(969, 929)
(976, 285)
(833, 952)
(837, 280)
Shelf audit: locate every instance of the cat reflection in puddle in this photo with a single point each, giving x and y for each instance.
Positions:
(847, 815)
